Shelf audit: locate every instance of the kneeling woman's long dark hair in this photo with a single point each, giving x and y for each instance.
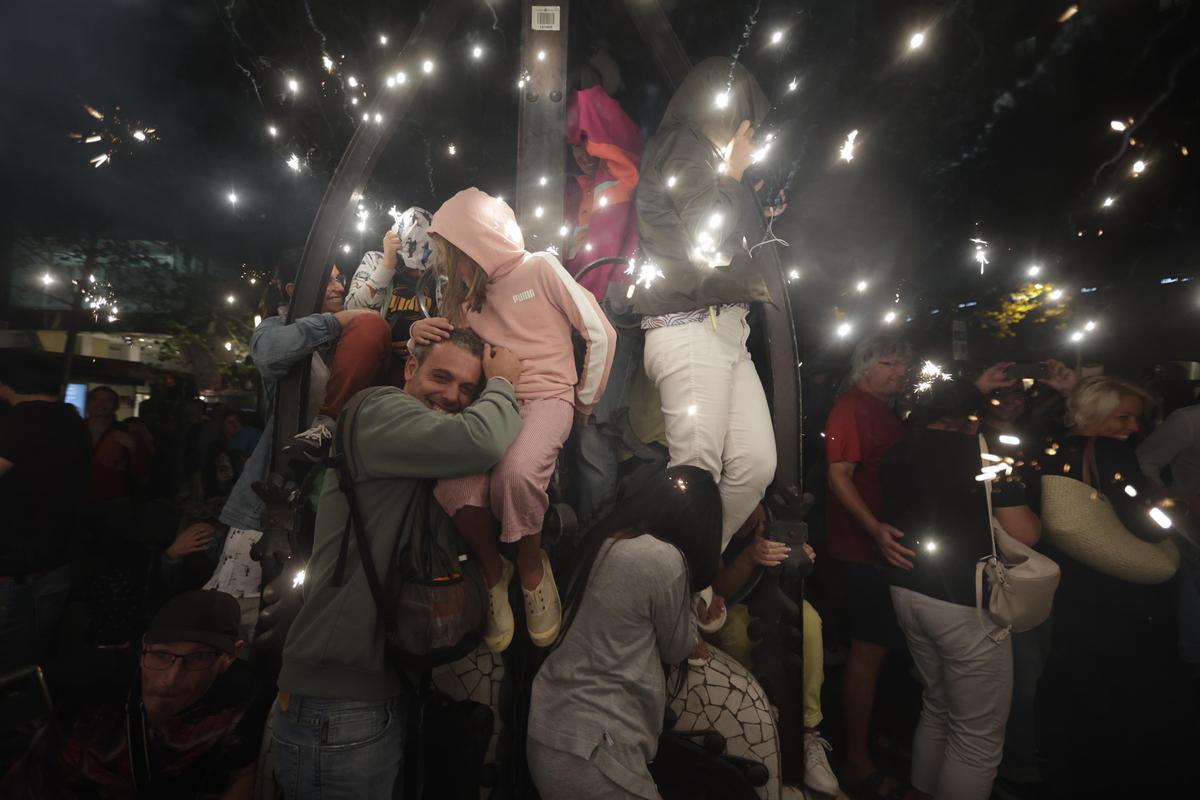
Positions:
(680, 506)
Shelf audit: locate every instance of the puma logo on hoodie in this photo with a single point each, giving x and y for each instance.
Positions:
(523, 296)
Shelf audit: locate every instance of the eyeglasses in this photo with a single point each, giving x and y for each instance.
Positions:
(192, 662)
(892, 363)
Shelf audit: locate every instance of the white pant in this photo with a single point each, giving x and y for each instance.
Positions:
(715, 409)
(968, 681)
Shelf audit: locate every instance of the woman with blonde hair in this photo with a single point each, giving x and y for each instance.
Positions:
(1113, 689)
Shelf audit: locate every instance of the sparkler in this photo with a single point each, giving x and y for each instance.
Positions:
(847, 151)
(395, 214)
(722, 99)
(233, 198)
(889, 317)
(476, 52)
(327, 62)
(451, 149)
(776, 37)
(794, 85)
(916, 40)
(294, 162)
(353, 81)
(646, 274)
(363, 215)
(1033, 271)
(427, 66)
(844, 330)
(293, 86)
(1108, 201)
(1118, 126)
(1139, 167)
(272, 131)
(383, 39)
(230, 299)
(111, 134)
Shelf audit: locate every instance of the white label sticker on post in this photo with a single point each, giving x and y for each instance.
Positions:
(545, 18)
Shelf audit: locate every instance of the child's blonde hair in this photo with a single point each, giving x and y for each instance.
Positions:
(459, 295)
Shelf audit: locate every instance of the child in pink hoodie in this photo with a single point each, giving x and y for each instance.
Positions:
(528, 303)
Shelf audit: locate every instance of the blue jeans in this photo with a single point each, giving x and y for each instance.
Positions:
(600, 441)
(333, 749)
(30, 608)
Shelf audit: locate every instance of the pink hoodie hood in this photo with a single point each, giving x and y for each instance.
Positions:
(484, 228)
(532, 303)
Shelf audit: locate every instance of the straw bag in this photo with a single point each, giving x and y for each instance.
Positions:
(1079, 520)
(1022, 581)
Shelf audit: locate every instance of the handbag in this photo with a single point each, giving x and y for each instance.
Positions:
(1021, 580)
(1081, 521)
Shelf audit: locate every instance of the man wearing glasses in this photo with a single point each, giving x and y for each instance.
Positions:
(861, 428)
(190, 727)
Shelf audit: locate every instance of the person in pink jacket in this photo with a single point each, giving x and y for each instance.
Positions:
(528, 303)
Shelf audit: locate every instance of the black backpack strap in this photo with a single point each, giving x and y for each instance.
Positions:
(342, 460)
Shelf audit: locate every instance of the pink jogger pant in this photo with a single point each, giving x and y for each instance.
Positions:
(515, 489)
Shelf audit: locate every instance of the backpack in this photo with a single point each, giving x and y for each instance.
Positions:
(432, 599)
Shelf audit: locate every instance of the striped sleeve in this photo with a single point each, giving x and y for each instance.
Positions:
(584, 313)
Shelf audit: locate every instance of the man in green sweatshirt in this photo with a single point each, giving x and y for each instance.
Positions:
(340, 717)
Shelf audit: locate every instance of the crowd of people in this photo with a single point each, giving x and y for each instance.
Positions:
(444, 433)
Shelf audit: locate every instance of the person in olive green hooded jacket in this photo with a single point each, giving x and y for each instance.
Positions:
(697, 221)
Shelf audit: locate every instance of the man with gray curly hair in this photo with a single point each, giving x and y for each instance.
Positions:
(861, 428)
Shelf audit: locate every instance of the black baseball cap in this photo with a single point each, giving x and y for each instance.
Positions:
(202, 615)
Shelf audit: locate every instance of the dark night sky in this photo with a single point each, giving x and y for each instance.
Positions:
(1002, 118)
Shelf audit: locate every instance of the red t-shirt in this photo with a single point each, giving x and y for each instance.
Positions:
(861, 428)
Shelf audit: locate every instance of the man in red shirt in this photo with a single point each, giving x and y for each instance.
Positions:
(861, 428)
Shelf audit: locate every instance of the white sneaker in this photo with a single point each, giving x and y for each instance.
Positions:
(313, 444)
(543, 610)
(498, 632)
(817, 774)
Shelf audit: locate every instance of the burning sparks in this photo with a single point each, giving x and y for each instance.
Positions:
(776, 37)
(230, 299)
(363, 217)
(889, 317)
(981, 254)
(1108, 201)
(722, 99)
(861, 286)
(112, 134)
(541, 56)
(294, 162)
(427, 66)
(353, 82)
(1034, 271)
(232, 198)
(844, 330)
(383, 39)
(644, 276)
(1118, 126)
(1139, 167)
(451, 149)
(293, 85)
(476, 52)
(272, 131)
(671, 182)
(794, 85)
(327, 63)
(847, 151)
(916, 40)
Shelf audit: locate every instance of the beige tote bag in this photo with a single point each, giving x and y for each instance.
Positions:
(1079, 520)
